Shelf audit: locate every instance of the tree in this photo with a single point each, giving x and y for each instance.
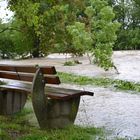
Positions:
(6, 44)
(98, 34)
(127, 13)
(13, 43)
(73, 26)
(45, 21)
(134, 26)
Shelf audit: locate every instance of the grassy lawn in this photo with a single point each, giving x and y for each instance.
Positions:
(18, 127)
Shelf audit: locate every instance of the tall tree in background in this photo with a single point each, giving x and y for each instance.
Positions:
(45, 21)
(6, 44)
(73, 26)
(127, 13)
(135, 25)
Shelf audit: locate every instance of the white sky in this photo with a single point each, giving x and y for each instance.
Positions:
(5, 14)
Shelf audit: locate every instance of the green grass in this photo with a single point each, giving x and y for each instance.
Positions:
(104, 82)
(72, 63)
(17, 127)
(71, 133)
(69, 63)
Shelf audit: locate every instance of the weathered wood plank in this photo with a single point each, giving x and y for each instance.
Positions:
(52, 92)
(16, 102)
(9, 99)
(16, 76)
(11, 102)
(23, 99)
(48, 69)
(52, 79)
(68, 91)
(28, 69)
(1, 103)
(59, 96)
(29, 77)
(14, 88)
(16, 68)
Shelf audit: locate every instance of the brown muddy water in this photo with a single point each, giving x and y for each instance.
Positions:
(116, 111)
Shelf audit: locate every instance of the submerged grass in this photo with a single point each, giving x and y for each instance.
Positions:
(104, 82)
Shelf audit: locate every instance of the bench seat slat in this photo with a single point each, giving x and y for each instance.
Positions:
(56, 96)
(49, 79)
(56, 93)
(27, 89)
(16, 76)
(51, 92)
(28, 69)
(62, 96)
(68, 91)
(14, 88)
(52, 79)
(48, 70)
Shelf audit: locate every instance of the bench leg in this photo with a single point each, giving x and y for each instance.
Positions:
(61, 113)
(11, 102)
(52, 113)
(39, 99)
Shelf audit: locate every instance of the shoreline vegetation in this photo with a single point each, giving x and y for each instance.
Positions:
(102, 82)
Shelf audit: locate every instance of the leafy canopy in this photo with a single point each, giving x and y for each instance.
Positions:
(72, 26)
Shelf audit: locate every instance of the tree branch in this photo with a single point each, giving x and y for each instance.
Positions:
(11, 28)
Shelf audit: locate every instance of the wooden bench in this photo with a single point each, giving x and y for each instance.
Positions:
(54, 107)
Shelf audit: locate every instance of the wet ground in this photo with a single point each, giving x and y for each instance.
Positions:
(117, 111)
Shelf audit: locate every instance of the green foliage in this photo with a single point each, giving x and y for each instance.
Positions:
(69, 63)
(98, 34)
(68, 26)
(127, 13)
(13, 42)
(72, 63)
(105, 82)
(6, 44)
(3, 135)
(71, 133)
(45, 22)
(103, 31)
(135, 38)
(81, 39)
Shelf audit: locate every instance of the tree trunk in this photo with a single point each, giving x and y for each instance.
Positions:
(36, 52)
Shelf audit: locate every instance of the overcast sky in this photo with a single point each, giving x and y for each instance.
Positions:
(5, 14)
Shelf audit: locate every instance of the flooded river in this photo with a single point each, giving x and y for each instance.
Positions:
(117, 111)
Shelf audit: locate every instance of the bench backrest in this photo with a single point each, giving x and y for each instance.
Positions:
(26, 73)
